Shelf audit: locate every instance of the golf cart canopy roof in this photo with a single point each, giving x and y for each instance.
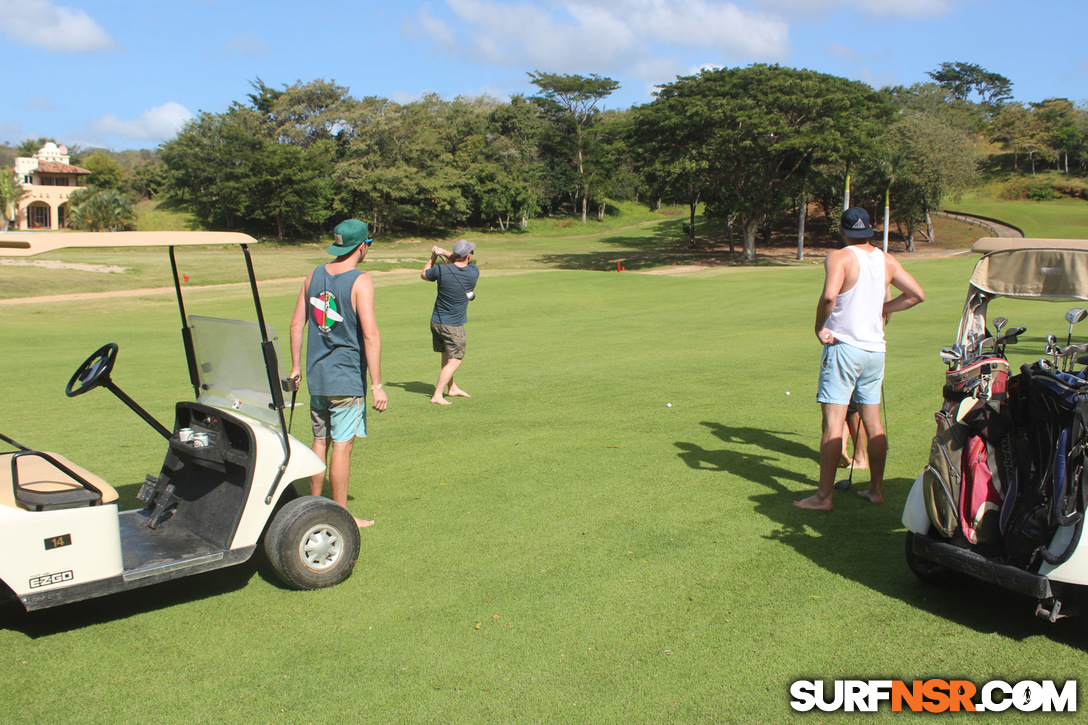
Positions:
(1051, 270)
(28, 244)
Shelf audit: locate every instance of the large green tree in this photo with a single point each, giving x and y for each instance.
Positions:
(409, 166)
(675, 135)
(750, 136)
(105, 172)
(961, 80)
(30, 146)
(924, 161)
(510, 185)
(570, 102)
(236, 171)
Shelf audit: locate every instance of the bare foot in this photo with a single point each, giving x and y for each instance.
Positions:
(440, 401)
(844, 461)
(815, 502)
(861, 465)
(362, 523)
(874, 497)
(458, 393)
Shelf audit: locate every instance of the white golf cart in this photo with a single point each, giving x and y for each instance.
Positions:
(1004, 496)
(225, 485)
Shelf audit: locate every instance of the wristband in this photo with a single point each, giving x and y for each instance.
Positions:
(376, 387)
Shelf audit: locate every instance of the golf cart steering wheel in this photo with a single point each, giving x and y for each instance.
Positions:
(94, 371)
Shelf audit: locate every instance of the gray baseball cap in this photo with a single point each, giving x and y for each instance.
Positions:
(462, 248)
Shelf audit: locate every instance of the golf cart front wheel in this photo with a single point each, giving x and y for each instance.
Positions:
(312, 543)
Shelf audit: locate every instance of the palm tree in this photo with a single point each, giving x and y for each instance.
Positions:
(93, 210)
(10, 194)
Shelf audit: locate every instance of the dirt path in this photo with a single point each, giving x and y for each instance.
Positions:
(715, 257)
(998, 229)
(147, 291)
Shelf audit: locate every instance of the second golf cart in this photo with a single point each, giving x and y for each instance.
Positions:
(1004, 496)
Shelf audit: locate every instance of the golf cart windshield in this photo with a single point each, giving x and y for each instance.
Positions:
(231, 367)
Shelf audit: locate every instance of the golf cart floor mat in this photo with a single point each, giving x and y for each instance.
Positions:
(152, 550)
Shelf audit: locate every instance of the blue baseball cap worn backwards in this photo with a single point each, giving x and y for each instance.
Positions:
(855, 223)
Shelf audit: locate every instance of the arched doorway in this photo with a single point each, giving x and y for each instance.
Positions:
(39, 216)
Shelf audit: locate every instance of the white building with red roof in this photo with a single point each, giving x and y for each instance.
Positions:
(49, 180)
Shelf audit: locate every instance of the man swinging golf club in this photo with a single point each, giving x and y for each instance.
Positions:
(850, 319)
(456, 288)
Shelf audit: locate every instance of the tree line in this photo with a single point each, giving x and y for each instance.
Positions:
(747, 145)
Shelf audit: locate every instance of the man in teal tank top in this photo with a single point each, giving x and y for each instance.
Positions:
(342, 345)
(850, 323)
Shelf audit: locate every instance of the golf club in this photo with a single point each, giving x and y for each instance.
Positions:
(1052, 348)
(1009, 338)
(1074, 316)
(845, 483)
(951, 355)
(290, 385)
(469, 293)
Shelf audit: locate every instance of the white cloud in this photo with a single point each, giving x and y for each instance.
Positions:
(59, 28)
(248, 45)
(875, 8)
(40, 104)
(157, 124)
(633, 37)
(842, 52)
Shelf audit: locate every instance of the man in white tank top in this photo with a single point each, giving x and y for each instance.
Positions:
(850, 323)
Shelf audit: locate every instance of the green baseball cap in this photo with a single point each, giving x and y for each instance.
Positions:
(349, 235)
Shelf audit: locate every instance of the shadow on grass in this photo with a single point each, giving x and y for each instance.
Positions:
(862, 542)
(417, 386)
(77, 615)
(660, 245)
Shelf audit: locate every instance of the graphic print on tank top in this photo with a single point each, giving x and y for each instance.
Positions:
(326, 311)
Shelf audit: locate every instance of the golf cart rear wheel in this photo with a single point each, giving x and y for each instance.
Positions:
(928, 571)
(312, 543)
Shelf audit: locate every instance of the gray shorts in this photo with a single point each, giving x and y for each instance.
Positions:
(340, 417)
(449, 339)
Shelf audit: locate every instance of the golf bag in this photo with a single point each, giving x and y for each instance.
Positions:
(970, 458)
(1053, 416)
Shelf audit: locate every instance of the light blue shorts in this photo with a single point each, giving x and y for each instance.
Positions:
(343, 415)
(849, 373)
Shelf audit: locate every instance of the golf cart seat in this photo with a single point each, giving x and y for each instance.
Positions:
(39, 481)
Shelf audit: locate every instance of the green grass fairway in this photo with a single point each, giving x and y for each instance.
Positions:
(1062, 219)
(560, 548)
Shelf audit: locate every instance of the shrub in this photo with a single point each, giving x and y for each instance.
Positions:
(96, 210)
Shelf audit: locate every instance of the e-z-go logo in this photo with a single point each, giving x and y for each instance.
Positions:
(49, 579)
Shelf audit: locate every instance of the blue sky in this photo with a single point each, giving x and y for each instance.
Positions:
(125, 75)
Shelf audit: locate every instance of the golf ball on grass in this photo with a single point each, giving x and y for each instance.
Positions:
(787, 392)
(668, 405)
